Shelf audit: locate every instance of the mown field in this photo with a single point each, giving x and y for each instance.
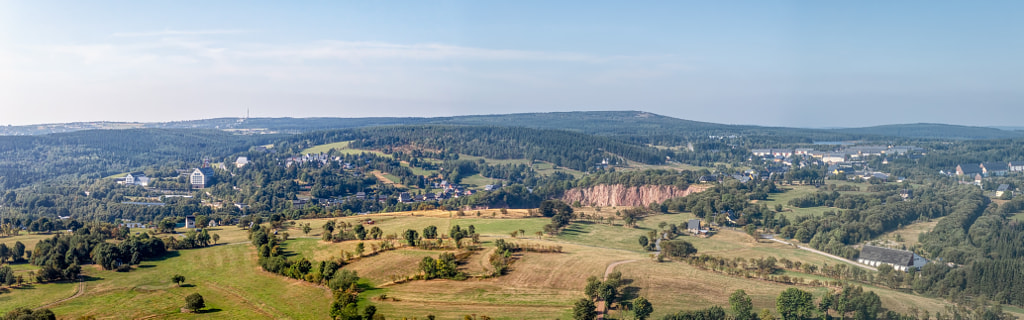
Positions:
(539, 286)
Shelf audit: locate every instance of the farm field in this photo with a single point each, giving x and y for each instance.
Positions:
(539, 285)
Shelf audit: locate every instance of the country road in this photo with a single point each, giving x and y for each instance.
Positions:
(79, 293)
(607, 271)
(854, 263)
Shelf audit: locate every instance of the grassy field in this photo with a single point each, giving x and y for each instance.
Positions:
(539, 286)
(909, 234)
(28, 239)
(478, 181)
(1019, 217)
(226, 276)
(796, 191)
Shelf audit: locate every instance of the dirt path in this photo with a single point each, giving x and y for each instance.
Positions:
(851, 262)
(79, 293)
(380, 176)
(607, 271)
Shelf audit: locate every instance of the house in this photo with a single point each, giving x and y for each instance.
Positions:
(201, 177)
(761, 152)
(901, 260)
(906, 194)
(1003, 188)
(834, 157)
(1015, 166)
(360, 195)
(708, 179)
(190, 222)
(136, 178)
(404, 197)
(694, 227)
(994, 168)
(968, 170)
(241, 162)
(741, 178)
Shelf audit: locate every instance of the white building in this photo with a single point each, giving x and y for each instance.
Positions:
(899, 259)
(241, 162)
(201, 177)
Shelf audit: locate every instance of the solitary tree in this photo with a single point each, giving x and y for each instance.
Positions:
(642, 308)
(306, 229)
(194, 302)
(742, 306)
(216, 237)
(178, 279)
(643, 241)
(584, 309)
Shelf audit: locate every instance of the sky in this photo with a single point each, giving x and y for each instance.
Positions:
(774, 63)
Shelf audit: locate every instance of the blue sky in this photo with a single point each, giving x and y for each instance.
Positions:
(778, 63)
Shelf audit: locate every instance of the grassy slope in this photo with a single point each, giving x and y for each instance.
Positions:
(226, 276)
(540, 286)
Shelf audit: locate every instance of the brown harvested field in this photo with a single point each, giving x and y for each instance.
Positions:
(540, 286)
(675, 286)
(391, 265)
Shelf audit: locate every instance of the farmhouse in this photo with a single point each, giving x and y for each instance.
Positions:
(693, 226)
(190, 222)
(899, 259)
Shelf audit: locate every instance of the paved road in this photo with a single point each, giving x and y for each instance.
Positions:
(827, 255)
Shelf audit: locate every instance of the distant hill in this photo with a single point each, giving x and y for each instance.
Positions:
(636, 126)
(935, 131)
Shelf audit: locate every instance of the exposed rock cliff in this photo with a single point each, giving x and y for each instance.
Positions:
(619, 195)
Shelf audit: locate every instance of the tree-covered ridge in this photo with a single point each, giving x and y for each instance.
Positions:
(563, 148)
(98, 153)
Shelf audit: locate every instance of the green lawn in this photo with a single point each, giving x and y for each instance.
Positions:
(478, 180)
(1019, 217)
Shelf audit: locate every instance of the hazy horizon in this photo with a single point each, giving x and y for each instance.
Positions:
(779, 63)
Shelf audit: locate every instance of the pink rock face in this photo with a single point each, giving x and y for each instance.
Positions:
(619, 195)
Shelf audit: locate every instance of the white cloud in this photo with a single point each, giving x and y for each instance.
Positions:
(360, 51)
(165, 33)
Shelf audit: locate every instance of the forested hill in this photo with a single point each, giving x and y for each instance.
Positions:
(934, 131)
(564, 148)
(638, 126)
(97, 153)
